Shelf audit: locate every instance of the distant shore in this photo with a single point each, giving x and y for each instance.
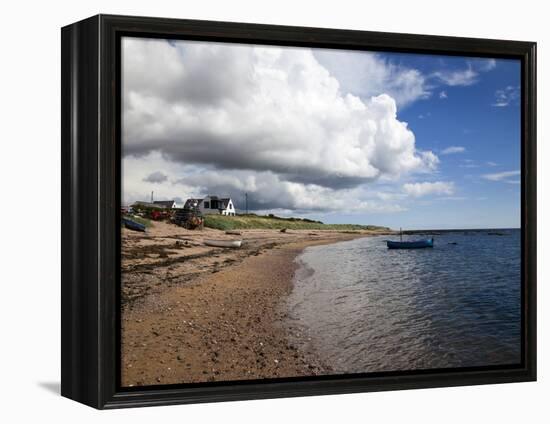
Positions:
(192, 313)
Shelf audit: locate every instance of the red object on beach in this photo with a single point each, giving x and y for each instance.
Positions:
(159, 215)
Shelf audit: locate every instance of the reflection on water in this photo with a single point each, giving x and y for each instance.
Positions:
(366, 308)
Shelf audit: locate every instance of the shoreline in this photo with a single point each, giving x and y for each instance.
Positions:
(223, 323)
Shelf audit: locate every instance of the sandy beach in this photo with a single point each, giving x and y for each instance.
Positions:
(193, 313)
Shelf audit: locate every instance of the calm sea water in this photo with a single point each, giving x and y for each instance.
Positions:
(365, 308)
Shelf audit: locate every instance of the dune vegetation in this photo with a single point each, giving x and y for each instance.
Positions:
(252, 221)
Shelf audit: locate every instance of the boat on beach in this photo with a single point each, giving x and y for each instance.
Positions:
(223, 243)
(415, 244)
(133, 225)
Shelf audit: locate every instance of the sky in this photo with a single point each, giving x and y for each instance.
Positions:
(400, 140)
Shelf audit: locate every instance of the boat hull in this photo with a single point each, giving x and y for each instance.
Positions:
(417, 244)
(223, 243)
(133, 225)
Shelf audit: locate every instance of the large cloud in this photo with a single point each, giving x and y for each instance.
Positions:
(367, 74)
(267, 192)
(274, 114)
(156, 177)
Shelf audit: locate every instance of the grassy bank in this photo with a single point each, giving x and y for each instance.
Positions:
(242, 222)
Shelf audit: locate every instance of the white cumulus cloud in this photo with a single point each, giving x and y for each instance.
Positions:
(366, 74)
(275, 114)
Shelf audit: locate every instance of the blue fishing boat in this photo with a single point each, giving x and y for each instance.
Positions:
(133, 225)
(413, 244)
(416, 244)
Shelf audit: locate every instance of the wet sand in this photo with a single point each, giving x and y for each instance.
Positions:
(192, 313)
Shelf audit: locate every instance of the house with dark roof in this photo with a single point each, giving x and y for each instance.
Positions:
(147, 205)
(211, 205)
(169, 204)
(159, 204)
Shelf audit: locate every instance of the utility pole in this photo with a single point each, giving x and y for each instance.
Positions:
(151, 197)
(246, 202)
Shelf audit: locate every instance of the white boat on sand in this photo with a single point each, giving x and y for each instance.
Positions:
(223, 243)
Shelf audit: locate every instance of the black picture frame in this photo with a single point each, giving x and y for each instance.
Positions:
(90, 138)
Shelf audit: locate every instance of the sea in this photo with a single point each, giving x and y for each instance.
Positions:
(364, 308)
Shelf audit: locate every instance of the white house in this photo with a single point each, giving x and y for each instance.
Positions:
(212, 205)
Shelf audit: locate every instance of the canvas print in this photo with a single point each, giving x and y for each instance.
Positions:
(291, 212)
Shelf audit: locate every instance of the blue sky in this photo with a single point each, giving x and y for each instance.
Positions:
(402, 140)
(472, 123)
(489, 131)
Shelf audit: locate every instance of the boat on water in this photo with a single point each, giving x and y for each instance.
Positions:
(223, 243)
(133, 225)
(414, 244)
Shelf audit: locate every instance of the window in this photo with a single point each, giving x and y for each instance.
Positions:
(206, 205)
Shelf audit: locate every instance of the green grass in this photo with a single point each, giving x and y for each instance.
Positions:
(251, 221)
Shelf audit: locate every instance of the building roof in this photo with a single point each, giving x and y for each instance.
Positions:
(166, 203)
(194, 203)
(225, 202)
(148, 204)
